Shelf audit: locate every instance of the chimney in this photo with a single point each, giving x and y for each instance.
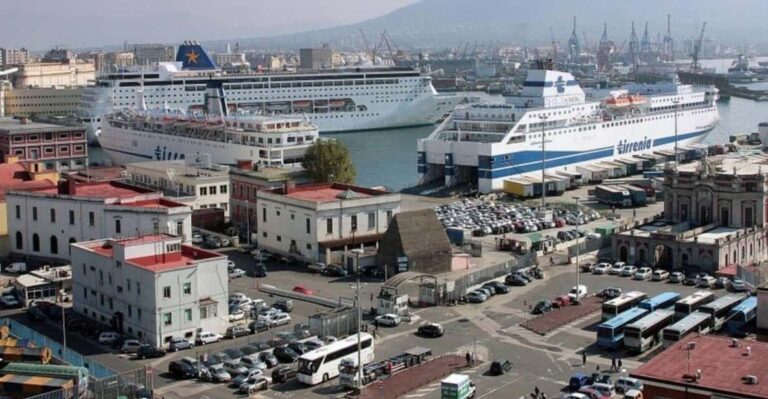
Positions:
(244, 164)
(289, 186)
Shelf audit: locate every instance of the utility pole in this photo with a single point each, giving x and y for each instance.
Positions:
(543, 119)
(578, 252)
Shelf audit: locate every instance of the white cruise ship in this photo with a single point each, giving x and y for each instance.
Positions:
(135, 135)
(336, 100)
(484, 144)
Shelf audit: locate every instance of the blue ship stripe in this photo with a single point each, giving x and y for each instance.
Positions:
(515, 170)
(671, 139)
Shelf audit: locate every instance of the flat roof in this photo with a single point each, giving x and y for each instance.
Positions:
(182, 169)
(271, 173)
(722, 366)
(327, 192)
(160, 262)
(103, 189)
(710, 236)
(10, 125)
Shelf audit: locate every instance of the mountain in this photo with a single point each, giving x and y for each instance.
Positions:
(430, 23)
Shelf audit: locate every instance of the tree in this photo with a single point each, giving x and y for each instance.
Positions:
(328, 161)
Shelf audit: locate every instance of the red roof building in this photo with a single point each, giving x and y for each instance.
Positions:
(707, 366)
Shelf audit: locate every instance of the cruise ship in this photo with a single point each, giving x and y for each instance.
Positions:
(336, 100)
(484, 144)
(135, 135)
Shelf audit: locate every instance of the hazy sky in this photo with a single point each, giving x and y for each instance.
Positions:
(39, 24)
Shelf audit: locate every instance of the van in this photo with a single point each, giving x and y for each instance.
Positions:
(633, 394)
(626, 384)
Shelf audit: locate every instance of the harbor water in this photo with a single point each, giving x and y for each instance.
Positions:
(388, 157)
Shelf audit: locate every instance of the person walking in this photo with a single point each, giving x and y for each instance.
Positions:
(543, 395)
(584, 357)
(618, 364)
(597, 368)
(536, 391)
(613, 364)
(469, 358)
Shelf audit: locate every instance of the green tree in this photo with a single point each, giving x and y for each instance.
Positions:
(328, 160)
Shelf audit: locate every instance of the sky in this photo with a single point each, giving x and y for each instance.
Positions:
(41, 24)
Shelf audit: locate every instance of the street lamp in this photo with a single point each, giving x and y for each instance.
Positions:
(578, 250)
(543, 118)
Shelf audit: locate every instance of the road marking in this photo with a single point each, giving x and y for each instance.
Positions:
(499, 387)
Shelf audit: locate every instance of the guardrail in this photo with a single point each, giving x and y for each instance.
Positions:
(272, 290)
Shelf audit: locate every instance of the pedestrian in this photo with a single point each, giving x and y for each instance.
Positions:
(613, 363)
(469, 358)
(374, 333)
(543, 395)
(618, 364)
(584, 357)
(536, 391)
(597, 369)
(551, 261)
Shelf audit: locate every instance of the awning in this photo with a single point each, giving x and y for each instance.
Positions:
(359, 239)
(207, 301)
(728, 271)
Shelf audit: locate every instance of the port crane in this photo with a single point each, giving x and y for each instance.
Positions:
(695, 66)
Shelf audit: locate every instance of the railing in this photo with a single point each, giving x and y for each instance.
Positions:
(299, 296)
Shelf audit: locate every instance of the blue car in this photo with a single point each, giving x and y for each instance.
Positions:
(577, 381)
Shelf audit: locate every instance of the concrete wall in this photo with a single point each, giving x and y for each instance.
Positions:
(762, 310)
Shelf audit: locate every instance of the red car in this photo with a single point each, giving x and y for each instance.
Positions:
(303, 290)
(561, 301)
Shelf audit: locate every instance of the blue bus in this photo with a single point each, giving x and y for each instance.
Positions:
(661, 301)
(720, 309)
(610, 334)
(743, 314)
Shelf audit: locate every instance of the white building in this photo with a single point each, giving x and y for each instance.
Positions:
(193, 181)
(320, 222)
(50, 284)
(152, 287)
(41, 222)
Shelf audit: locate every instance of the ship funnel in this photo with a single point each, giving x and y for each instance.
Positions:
(215, 102)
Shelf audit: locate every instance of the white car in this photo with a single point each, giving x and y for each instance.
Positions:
(576, 395)
(628, 271)
(604, 389)
(108, 337)
(9, 301)
(706, 282)
(676, 277)
(577, 292)
(207, 337)
(739, 285)
(660, 275)
(601, 268)
(390, 320)
(197, 238)
(130, 346)
(236, 315)
(624, 384)
(616, 268)
(278, 319)
(16, 267)
(644, 273)
(238, 296)
(237, 273)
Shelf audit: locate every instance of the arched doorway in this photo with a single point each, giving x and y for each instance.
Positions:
(54, 245)
(663, 256)
(623, 253)
(19, 240)
(71, 241)
(35, 242)
(684, 260)
(641, 256)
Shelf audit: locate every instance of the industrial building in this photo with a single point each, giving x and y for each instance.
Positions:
(151, 287)
(314, 222)
(43, 146)
(714, 216)
(316, 58)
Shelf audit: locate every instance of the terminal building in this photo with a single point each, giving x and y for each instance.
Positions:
(151, 287)
(714, 217)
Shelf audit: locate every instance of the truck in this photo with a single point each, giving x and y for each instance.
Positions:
(374, 371)
(638, 195)
(616, 196)
(457, 386)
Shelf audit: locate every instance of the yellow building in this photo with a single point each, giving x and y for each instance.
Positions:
(41, 101)
(68, 73)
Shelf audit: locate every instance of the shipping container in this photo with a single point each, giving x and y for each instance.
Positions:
(632, 165)
(592, 174)
(25, 354)
(574, 176)
(614, 169)
(521, 188)
(637, 194)
(613, 195)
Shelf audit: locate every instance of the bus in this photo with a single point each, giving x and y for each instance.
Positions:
(610, 334)
(622, 303)
(661, 301)
(692, 303)
(694, 322)
(721, 308)
(322, 364)
(79, 375)
(743, 314)
(645, 333)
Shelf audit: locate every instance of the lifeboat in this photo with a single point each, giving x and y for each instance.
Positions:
(624, 101)
(302, 104)
(337, 103)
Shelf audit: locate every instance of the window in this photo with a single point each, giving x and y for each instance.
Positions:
(212, 190)
(309, 247)
(18, 212)
(389, 216)
(120, 289)
(91, 219)
(34, 213)
(328, 226)
(167, 291)
(101, 277)
(187, 314)
(72, 217)
(187, 288)
(203, 190)
(167, 319)
(264, 214)
(223, 188)
(354, 222)
(35, 242)
(179, 227)
(128, 284)
(155, 226)
(138, 313)
(85, 293)
(307, 223)
(118, 228)
(19, 240)
(53, 215)
(130, 311)
(371, 220)
(54, 245)
(279, 239)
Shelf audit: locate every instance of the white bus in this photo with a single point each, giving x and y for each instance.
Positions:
(622, 303)
(322, 364)
(721, 308)
(692, 303)
(645, 333)
(694, 322)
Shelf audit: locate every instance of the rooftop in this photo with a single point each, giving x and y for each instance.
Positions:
(14, 176)
(116, 192)
(182, 168)
(158, 262)
(271, 174)
(11, 125)
(722, 366)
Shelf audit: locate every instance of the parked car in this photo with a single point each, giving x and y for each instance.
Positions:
(487, 291)
(578, 292)
(215, 374)
(285, 305)
(604, 389)
(207, 337)
(298, 347)
(644, 273)
(253, 384)
(499, 367)
(10, 301)
(628, 271)
(577, 381)
(739, 285)
(239, 330)
(588, 267)
(676, 277)
(260, 270)
(236, 314)
(601, 268)
(238, 296)
(318, 267)
(258, 326)
(108, 337)
(178, 343)
(252, 362)
(660, 275)
(389, 320)
(278, 319)
(516, 280)
(197, 239)
(149, 351)
(285, 354)
(542, 307)
(691, 280)
(476, 297)
(610, 293)
(433, 330)
(283, 374)
(722, 282)
(237, 273)
(706, 282)
(592, 393)
(624, 384)
(335, 271)
(561, 301)
(181, 371)
(497, 286)
(616, 268)
(303, 290)
(130, 346)
(16, 267)
(35, 314)
(268, 358)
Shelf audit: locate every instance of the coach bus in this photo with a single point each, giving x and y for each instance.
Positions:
(721, 308)
(694, 322)
(692, 303)
(743, 314)
(645, 333)
(622, 303)
(661, 301)
(322, 364)
(610, 334)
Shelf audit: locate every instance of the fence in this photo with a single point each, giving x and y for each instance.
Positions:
(462, 284)
(66, 355)
(127, 384)
(69, 393)
(331, 303)
(337, 322)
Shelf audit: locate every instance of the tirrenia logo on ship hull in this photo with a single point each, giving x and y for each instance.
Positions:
(626, 146)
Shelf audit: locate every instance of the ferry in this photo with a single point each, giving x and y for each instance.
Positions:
(135, 135)
(336, 100)
(483, 144)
